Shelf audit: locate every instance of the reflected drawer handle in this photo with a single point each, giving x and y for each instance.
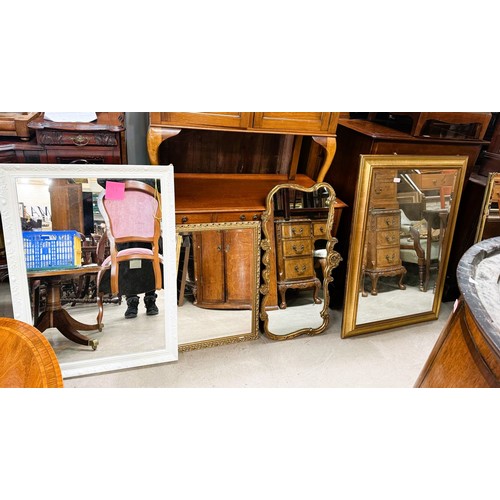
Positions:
(298, 250)
(255, 217)
(389, 222)
(321, 229)
(300, 271)
(390, 259)
(390, 239)
(184, 220)
(299, 231)
(378, 190)
(80, 140)
(243, 217)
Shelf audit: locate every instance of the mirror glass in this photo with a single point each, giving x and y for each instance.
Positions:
(298, 257)
(64, 242)
(403, 223)
(489, 224)
(217, 283)
(6, 310)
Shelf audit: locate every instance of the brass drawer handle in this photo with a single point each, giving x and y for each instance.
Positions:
(80, 140)
(297, 231)
(184, 220)
(300, 271)
(243, 217)
(389, 221)
(390, 259)
(378, 190)
(298, 250)
(390, 239)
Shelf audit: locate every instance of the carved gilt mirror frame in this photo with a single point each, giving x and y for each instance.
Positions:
(234, 323)
(489, 223)
(160, 343)
(318, 307)
(404, 218)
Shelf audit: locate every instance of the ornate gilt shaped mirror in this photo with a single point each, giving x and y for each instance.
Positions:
(489, 224)
(217, 282)
(404, 218)
(298, 258)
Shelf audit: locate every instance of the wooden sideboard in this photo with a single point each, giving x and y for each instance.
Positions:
(320, 126)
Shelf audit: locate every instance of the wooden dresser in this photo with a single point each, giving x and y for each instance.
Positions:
(356, 137)
(295, 255)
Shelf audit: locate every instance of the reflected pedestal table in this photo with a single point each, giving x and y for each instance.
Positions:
(54, 315)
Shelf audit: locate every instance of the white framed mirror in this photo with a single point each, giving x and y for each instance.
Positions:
(52, 197)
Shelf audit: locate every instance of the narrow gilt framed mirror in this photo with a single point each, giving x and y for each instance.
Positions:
(217, 283)
(54, 230)
(298, 258)
(403, 223)
(489, 224)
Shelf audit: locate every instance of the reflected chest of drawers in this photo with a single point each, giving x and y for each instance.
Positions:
(382, 248)
(295, 255)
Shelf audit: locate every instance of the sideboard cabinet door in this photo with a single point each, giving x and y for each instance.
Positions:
(309, 122)
(228, 119)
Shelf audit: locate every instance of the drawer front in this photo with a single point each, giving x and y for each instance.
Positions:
(387, 238)
(388, 257)
(294, 248)
(387, 222)
(295, 230)
(229, 119)
(236, 216)
(79, 139)
(296, 121)
(435, 181)
(193, 218)
(297, 269)
(319, 229)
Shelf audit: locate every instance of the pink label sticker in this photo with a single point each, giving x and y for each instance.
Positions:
(115, 190)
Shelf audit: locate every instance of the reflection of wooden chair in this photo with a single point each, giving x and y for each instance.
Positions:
(26, 357)
(131, 221)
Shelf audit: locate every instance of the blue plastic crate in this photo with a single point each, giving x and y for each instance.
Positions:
(52, 249)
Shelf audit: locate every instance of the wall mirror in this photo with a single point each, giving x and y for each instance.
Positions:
(298, 258)
(403, 223)
(59, 295)
(489, 224)
(217, 283)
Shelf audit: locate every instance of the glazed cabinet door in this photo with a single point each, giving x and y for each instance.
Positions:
(200, 119)
(297, 122)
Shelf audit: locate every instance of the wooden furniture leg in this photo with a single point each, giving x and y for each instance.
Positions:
(330, 145)
(187, 248)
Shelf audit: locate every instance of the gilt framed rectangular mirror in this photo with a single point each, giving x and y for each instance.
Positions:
(218, 283)
(54, 230)
(403, 223)
(489, 223)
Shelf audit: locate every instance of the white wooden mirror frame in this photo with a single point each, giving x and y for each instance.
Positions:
(10, 173)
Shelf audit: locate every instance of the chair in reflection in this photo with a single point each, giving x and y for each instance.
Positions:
(133, 230)
(26, 357)
(421, 242)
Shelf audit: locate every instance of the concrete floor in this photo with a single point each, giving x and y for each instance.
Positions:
(389, 359)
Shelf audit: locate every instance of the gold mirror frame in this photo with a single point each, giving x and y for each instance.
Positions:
(254, 331)
(369, 165)
(268, 248)
(493, 178)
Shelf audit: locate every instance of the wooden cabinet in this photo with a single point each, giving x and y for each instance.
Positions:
(102, 141)
(278, 122)
(295, 257)
(224, 268)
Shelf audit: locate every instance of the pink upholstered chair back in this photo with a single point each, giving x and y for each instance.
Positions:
(133, 216)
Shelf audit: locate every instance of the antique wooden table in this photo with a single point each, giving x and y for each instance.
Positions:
(55, 316)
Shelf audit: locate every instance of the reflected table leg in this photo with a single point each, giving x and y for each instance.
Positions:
(55, 316)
